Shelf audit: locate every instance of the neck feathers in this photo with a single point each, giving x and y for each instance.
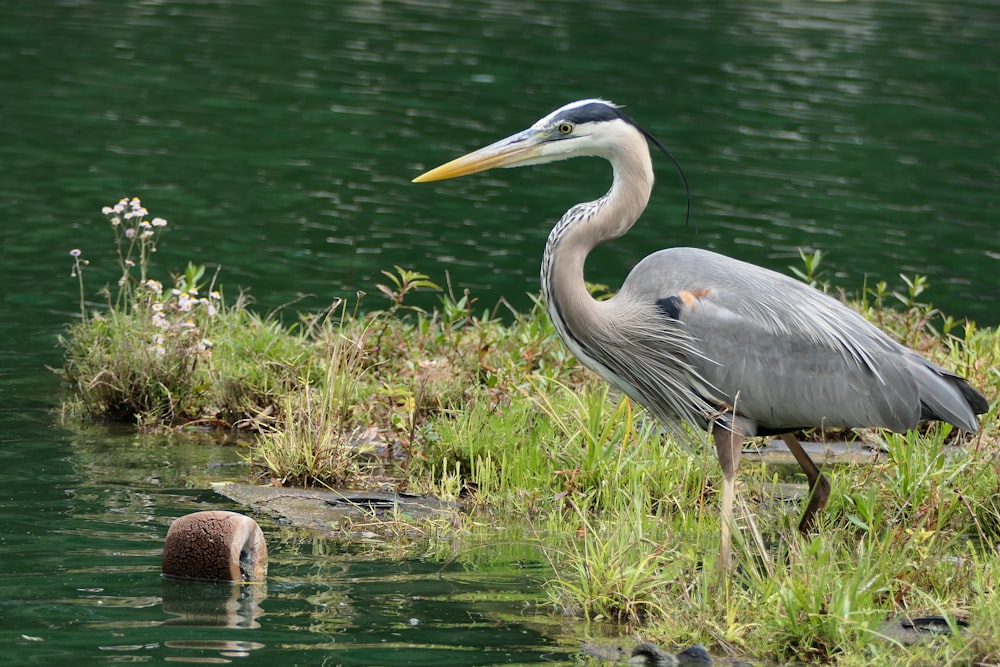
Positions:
(573, 310)
(587, 225)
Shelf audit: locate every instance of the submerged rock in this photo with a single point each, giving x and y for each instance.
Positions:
(909, 630)
(649, 654)
(329, 511)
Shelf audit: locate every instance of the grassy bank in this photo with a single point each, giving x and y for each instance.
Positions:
(487, 405)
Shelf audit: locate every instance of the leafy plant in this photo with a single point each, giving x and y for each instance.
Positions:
(810, 271)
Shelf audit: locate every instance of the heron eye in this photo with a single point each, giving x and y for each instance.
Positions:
(565, 128)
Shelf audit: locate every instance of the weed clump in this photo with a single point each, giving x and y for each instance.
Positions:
(150, 355)
(326, 397)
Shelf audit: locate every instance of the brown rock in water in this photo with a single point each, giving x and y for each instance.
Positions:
(215, 546)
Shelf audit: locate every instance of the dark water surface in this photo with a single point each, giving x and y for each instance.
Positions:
(279, 140)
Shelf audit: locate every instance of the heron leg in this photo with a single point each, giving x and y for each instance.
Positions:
(728, 448)
(819, 485)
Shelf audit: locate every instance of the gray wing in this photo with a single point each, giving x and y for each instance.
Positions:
(788, 356)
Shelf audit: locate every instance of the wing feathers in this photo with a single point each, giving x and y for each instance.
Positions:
(789, 356)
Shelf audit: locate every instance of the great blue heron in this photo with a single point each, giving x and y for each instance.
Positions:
(693, 335)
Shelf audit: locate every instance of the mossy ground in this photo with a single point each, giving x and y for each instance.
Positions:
(490, 407)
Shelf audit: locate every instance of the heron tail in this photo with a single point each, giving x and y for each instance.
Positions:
(947, 397)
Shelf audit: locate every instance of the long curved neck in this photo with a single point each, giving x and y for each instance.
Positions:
(583, 227)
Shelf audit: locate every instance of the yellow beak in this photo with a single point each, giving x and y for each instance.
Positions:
(515, 150)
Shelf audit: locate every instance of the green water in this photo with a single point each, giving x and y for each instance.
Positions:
(279, 140)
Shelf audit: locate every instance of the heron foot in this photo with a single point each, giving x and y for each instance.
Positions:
(819, 485)
(819, 493)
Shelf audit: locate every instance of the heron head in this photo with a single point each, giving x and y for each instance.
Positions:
(586, 127)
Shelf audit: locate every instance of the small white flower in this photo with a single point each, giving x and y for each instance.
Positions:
(129, 262)
(75, 252)
(159, 222)
(107, 210)
(115, 221)
(146, 234)
(130, 233)
(215, 295)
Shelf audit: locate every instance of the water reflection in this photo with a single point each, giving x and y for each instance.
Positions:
(91, 586)
(213, 604)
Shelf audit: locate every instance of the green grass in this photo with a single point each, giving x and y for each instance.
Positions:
(488, 406)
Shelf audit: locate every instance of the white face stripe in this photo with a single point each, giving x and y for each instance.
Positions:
(561, 111)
